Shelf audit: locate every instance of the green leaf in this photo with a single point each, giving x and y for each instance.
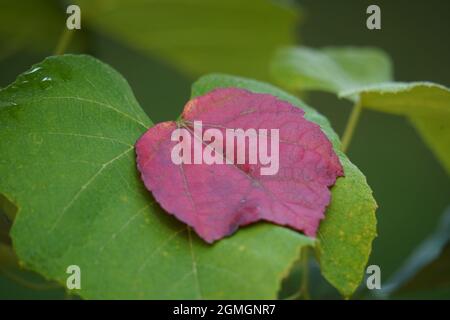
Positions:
(349, 227)
(330, 69)
(426, 104)
(365, 74)
(67, 133)
(410, 99)
(230, 36)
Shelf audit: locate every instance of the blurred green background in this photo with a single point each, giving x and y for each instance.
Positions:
(411, 188)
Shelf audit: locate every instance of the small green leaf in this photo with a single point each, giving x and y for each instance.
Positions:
(330, 69)
(349, 226)
(67, 133)
(203, 36)
(365, 74)
(414, 98)
(426, 104)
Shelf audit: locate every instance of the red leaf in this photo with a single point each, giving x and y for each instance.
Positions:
(215, 199)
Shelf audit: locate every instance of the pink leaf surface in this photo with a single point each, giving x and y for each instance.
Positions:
(215, 199)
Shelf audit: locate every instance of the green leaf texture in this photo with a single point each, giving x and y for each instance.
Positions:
(330, 69)
(67, 133)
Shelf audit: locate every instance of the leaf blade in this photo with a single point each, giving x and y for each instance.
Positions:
(69, 167)
(330, 69)
(426, 104)
(215, 199)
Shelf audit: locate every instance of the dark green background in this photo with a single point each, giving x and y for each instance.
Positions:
(410, 186)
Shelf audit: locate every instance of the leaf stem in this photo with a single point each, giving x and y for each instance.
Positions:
(63, 41)
(351, 125)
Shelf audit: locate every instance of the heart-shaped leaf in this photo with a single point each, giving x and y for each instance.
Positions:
(218, 196)
(67, 133)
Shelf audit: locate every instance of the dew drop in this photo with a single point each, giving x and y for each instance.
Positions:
(34, 70)
(46, 82)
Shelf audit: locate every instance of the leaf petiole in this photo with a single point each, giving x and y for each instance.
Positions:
(351, 125)
(63, 42)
